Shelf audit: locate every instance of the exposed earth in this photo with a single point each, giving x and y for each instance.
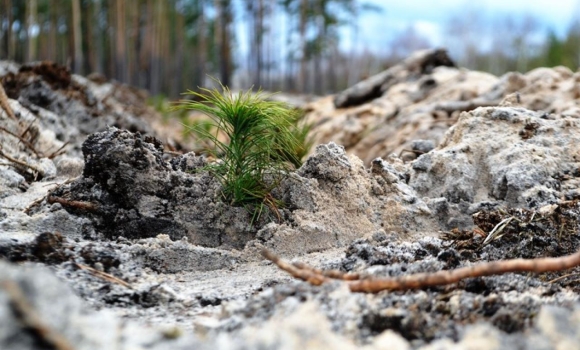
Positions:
(113, 235)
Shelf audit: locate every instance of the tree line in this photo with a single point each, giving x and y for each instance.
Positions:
(515, 44)
(500, 44)
(172, 45)
(169, 46)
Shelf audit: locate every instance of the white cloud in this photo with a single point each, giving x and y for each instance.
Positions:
(429, 18)
(433, 31)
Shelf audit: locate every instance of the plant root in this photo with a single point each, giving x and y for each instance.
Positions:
(422, 280)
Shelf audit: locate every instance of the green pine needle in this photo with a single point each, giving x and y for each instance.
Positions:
(264, 143)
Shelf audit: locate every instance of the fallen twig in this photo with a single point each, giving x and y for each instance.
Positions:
(37, 201)
(23, 140)
(58, 151)
(27, 128)
(563, 277)
(336, 274)
(173, 153)
(422, 280)
(305, 274)
(103, 275)
(417, 152)
(31, 319)
(21, 163)
(33, 204)
(4, 103)
(461, 106)
(74, 204)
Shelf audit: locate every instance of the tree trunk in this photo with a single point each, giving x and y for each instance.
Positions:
(133, 43)
(120, 42)
(77, 37)
(3, 34)
(52, 33)
(259, 40)
(226, 62)
(222, 39)
(157, 37)
(32, 30)
(163, 51)
(89, 29)
(9, 42)
(146, 43)
(202, 47)
(302, 32)
(217, 35)
(321, 46)
(288, 74)
(98, 37)
(179, 60)
(267, 45)
(110, 64)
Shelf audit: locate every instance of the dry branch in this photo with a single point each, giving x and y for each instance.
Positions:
(72, 204)
(461, 106)
(27, 130)
(24, 141)
(422, 280)
(335, 274)
(103, 275)
(33, 204)
(37, 201)
(31, 319)
(305, 274)
(173, 153)
(17, 163)
(4, 103)
(59, 151)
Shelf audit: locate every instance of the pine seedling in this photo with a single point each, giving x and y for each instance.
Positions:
(261, 145)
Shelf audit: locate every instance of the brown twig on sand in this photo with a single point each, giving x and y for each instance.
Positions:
(58, 152)
(26, 131)
(31, 319)
(103, 275)
(461, 106)
(24, 141)
(173, 153)
(417, 152)
(73, 204)
(422, 280)
(4, 103)
(558, 279)
(37, 201)
(21, 163)
(307, 275)
(335, 274)
(33, 204)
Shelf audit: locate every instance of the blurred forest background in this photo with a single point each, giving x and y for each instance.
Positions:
(168, 46)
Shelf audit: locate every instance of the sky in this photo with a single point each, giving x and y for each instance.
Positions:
(429, 18)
